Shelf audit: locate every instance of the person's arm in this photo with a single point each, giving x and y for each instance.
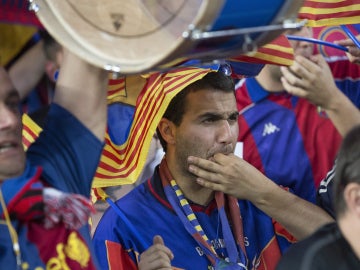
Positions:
(27, 71)
(312, 79)
(236, 177)
(81, 89)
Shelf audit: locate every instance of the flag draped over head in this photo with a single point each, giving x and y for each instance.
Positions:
(122, 164)
(330, 12)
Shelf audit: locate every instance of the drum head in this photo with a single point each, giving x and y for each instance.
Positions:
(130, 36)
(136, 36)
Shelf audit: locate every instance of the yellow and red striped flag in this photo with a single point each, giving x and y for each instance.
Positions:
(277, 52)
(330, 12)
(122, 164)
(30, 131)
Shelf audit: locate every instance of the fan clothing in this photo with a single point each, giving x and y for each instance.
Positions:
(65, 157)
(326, 249)
(119, 241)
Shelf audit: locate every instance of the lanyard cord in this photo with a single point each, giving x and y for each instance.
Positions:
(13, 234)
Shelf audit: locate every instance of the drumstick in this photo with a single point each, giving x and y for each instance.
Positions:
(350, 35)
(317, 41)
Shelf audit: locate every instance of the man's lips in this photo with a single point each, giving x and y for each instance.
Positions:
(8, 146)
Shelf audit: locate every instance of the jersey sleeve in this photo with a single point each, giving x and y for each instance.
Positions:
(325, 193)
(109, 247)
(67, 151)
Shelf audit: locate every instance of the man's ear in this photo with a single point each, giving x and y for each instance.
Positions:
(167, 130)
(352, 197)
(50, 69)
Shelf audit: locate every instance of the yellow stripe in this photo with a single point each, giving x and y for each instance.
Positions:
(274, 59)
(173, 182)
(183, 202)
(178, 192)
(333, 21)
(323, 11)
(29, 123)
(191, 217)
(326, 1)
(199, 229)
(276, 47)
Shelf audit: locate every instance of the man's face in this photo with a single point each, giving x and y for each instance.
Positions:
(12, 155)
(303, 48)
(209, 126)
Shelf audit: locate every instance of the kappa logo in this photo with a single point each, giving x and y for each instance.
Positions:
(270, 128)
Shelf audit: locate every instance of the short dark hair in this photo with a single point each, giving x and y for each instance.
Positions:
(216, 81)
(50, 46)
(347, 168)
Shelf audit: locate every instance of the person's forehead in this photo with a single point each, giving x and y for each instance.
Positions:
(208, 99)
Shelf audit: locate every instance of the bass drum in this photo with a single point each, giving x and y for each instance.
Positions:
(134, 36)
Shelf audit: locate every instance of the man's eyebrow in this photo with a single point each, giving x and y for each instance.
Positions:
(211, 115)
(218, 115)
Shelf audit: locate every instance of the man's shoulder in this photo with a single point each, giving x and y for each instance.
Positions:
(317, 247)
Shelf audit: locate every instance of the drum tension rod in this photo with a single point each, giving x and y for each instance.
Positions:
(197, 34)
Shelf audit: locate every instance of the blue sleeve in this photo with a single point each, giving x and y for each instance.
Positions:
(67, 151)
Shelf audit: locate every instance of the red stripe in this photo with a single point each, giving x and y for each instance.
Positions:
(30, 132)
(26, 142)
(317, 17)
(329, 4)
(118, 258)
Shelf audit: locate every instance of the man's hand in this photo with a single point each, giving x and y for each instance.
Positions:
(311, 79)
(156, 257)
(354, 51)
(229, 174)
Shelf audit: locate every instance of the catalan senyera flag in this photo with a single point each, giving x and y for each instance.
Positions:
(277, 52)
(330, 12)
(122, 164)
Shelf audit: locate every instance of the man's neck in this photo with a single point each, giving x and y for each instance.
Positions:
(195, 193)
(187, 183)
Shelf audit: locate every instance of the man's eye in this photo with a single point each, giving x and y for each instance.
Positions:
(209, 120)
(14, 105)
(234, 117)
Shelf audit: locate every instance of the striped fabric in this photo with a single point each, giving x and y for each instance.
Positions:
(278, 52)
(190, 214)
(122, 164)
(330, 12)
(30, 131)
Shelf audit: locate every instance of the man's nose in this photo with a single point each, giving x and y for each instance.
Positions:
(225, 132)
(8, 119)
